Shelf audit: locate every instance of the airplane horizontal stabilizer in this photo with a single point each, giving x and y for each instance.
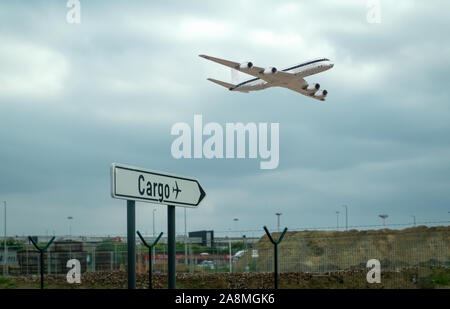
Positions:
(221, 83)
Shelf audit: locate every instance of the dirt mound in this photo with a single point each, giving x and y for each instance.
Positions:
(321, 251)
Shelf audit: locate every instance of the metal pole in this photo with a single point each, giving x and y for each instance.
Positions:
(236, 226)
(246, 252)
(185, 238)
(131, 244)
(337, 220)
(346, 216)
(42, 268)
(5, 257)
(171, 246)
(275, 274)
(150, 253)
(70, 226)
(278, 220)
(154, 209)
(150, 268)
(231, 266)
(275, 250)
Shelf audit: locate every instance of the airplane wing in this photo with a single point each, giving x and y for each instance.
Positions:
(301, 88)
(253, 71)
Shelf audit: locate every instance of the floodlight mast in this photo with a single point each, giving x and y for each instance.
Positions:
(346, 216)
(384, 217)
(414, 219)
(278, 214)
(5, 258)
(337, 220)
(70, 226)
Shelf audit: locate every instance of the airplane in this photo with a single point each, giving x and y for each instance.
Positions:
(291, 78)
(176, 190)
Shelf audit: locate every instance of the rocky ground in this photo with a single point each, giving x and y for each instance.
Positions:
(356, 279)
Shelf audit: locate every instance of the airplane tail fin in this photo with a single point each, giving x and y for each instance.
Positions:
(221, 83)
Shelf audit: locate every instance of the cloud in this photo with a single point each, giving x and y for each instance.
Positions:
(31, 70)
(75, 98)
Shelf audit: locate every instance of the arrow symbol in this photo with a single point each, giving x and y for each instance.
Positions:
(202, 193)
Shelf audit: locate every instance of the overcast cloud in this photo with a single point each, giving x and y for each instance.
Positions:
(75, 98)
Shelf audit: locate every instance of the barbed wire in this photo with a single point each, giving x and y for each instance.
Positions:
(350, 227)
(261, 231)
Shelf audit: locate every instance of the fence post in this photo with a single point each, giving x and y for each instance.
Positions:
(275, 249)
(49, 263)
(150, 254)
(41, 255)
(436, 250)
(28, 266)
(393, 256)
(304, 255)
(367, 249)
(191, 260)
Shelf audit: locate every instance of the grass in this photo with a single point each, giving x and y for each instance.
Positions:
(441, 277)
(6, 283)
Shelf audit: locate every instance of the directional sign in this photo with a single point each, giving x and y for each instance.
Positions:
(138, 184)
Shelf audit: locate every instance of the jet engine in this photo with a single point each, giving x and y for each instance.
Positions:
(270, 70)
(312, 89)
(245, 65)
(322, 95)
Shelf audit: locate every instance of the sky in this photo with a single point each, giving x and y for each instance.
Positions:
(76, 97)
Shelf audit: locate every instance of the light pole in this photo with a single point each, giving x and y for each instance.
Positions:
(154, 210)
(384, 217)
(236, 225)
(337, 220)
(346, 216)
(230, 257)
(5, 257)
(278, 214)
(154, 255)
(185, 238)
(70, 226)
(414, 218)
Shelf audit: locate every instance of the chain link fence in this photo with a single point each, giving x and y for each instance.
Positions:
(298, 253)
(24, 259)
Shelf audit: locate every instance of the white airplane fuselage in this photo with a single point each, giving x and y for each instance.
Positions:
(301, 70)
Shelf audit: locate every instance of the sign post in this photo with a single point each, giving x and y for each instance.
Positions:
(171, 269)
(131, 243)
(143, 185)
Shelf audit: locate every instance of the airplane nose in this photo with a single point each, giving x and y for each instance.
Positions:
(331, 64)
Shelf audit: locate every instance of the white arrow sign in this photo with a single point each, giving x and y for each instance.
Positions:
(138, 184)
